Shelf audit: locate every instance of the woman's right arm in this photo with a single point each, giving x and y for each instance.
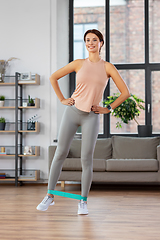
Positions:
(71, 67)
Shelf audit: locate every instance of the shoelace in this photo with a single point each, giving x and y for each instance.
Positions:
(83, 205)
(45, 199)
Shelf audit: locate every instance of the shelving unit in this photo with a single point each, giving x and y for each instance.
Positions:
(37, 104)
(23, 82)
(7, 131)
(37, 129)
(31, 82)
(34, 178)
(8, 84)
(36, 150)
(19, 130)
(7, 107)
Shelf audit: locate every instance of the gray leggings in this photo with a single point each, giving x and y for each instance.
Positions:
(72, 119)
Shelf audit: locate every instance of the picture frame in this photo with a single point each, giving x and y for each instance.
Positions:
(27, 150)
(25, 76)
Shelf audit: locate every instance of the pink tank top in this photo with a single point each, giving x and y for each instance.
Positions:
(91, 81)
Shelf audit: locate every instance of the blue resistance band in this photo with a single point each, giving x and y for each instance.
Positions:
(67, 195)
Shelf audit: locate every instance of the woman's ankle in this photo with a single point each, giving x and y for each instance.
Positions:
(50, 195)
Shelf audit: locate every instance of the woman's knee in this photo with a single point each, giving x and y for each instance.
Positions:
(87, 162)
(60, 154)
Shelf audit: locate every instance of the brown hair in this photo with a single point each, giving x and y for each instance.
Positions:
(97, 33)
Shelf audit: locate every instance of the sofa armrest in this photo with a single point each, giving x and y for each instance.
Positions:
(51, 152)
(158, 154)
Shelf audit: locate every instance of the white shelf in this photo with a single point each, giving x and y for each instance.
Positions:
(30, 82)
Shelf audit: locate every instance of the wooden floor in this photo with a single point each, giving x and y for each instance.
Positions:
(115, 213)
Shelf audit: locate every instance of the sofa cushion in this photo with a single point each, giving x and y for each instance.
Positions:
(131, 165)
(75, 149)
(135, 147)
(103, 149)
(51, 152)
(74, 164)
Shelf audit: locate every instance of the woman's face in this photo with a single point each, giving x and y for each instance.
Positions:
(93, 43)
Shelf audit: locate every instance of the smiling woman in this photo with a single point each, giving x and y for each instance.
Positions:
(88, 14)
(83, 109)
(91, 38)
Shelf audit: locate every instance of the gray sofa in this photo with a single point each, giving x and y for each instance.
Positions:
(116, 160)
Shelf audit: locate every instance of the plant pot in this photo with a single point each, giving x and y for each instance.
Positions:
(144, 130)
(31, 104)
(1, 103)
(2, 126)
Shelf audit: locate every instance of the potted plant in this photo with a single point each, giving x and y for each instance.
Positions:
(2, 123)
(129, 110)
(2, 98)
(30, 101)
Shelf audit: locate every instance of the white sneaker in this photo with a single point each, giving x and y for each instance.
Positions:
(82, 207)
(47, 201)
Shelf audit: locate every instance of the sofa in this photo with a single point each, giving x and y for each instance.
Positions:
(116, 160)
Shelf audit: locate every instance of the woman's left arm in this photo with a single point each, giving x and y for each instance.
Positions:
(121, 85)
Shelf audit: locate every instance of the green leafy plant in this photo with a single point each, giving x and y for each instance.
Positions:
(2, 120)
(128, 110)
(30, 101)
(2, 98)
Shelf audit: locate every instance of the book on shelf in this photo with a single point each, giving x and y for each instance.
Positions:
(2, 153)
(2, 175)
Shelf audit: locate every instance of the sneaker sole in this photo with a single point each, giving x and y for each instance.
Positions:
(42, 209)
(82, 213)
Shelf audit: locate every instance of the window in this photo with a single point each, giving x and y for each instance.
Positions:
(154, 31)
(127, 47)
(131, 30)
(133, 79)
(155, 75)
(127, 32)
(79, 46)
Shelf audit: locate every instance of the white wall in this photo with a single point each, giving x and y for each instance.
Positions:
(62, 51)
(34, 31)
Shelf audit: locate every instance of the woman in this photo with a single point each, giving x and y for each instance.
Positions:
(83, 110)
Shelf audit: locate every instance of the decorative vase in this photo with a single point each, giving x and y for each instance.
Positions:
(31, 126)
(1, 103)
(2, 71)
(144, 130)
(2, 126)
